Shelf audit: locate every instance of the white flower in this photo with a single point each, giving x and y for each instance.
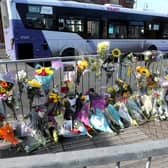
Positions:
(21, 75)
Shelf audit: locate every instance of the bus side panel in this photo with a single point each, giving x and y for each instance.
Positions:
(30, 43)
(60, 41)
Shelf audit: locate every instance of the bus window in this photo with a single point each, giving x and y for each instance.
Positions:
(71, 24)
(117, 31)
(165, 31)
(152, 30)
(93, 28)
(135, 32)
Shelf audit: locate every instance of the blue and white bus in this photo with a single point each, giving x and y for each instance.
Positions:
(47, 28)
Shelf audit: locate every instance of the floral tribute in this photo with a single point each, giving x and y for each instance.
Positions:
(58, 112)
(44, 75)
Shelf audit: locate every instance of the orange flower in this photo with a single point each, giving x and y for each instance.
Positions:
(4, 84)
(7, 133)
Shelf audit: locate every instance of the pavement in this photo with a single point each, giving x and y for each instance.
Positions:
(153, 130)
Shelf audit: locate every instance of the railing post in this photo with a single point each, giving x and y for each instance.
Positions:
(148, 163)
(117, 164)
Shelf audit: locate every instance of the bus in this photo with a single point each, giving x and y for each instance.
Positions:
(50, 28)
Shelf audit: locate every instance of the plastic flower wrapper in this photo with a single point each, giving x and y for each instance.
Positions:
(73, 129)
(112, 93)
(124, 114)
(147, 105)
(55, 113)
(21, 77)
(33, 87)
(7, 95)
(95, 65)
(153, 81)
(108, 64)
(36, 142)
(96, 100)
(44, 75)
(6, 83)
(134, 111)
(152, 56)
(115, 115)
(99, 121)
(129, 58)
(83, 115)
(103, 49)
(68, 87)
(81, 67)
(160, 109)
(123, 90)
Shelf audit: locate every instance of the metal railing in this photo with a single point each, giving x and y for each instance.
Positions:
(88, 79)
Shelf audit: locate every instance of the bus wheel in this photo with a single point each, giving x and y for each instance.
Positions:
(152, 48)
(69, 52)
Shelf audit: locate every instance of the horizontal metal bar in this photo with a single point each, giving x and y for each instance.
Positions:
(46, 59)
(96, 156)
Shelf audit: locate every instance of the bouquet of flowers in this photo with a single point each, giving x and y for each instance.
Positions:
(102, 49)
(21, 78)
(81, 67)
(108, 64)
(7, 133)
(68, 87)
(95, 65)
(44, 75)
(33, 89)
(6, 93)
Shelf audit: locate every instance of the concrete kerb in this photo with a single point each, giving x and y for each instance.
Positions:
(97, 156)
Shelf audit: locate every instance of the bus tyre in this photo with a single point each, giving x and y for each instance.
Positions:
(69, 52)
(152, 48)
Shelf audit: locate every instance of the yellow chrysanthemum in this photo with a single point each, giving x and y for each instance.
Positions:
(34, 83)
(116, 52)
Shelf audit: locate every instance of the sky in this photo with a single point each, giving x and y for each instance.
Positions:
(158, 5)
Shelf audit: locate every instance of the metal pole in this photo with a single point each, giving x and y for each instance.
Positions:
(117, 164)
(148, 163)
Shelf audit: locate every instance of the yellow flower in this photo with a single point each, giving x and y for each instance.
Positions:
(143, 71)
(34, 83)
(116, 52)
(102, 48)
(82, 64)
(44, 71)
(54, 97)
(2, 90)
(110, 90)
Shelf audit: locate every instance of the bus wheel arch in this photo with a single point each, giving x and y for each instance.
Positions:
(152, 47)
(69, 52)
